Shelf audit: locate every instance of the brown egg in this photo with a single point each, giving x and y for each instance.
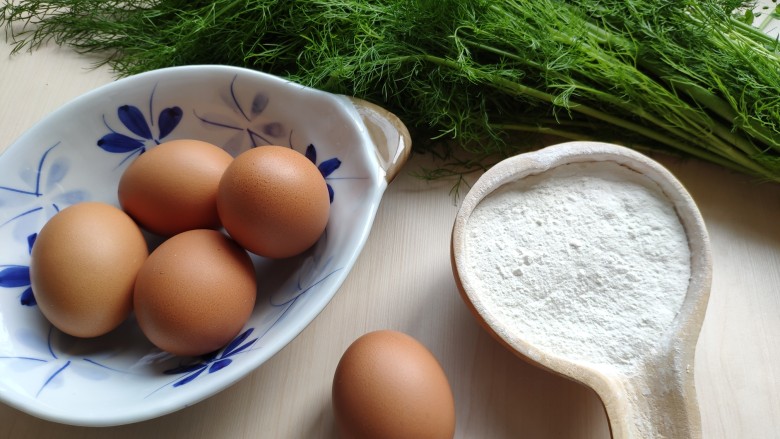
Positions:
(273, 201)
(173, 187)
(387, 386)
(83, 268)
(195, 292)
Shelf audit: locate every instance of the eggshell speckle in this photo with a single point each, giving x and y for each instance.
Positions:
(195, 292)
(83, 268)
(273, 201)
(172, 187)
(387, 385)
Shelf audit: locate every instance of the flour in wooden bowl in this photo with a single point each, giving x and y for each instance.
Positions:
(587, 261)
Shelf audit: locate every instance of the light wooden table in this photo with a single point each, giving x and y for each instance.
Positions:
(403, 280)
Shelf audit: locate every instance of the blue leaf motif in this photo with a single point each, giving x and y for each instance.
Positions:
(169, 119)
(191, 377)
(328, 166)
(243, 347)
(31, 241)
(219, 365)
(134, 120)
(57, 171)
(233, 347)
(311, 153)
(72, 197)
(185, 368)
(274, 129)
(15, 276)
(53, 376)
(247, 119)
(258, 103)
(119, 143)
(214, 361)
(60, 364)
(28, 298)
(139, 129)
(44, 195)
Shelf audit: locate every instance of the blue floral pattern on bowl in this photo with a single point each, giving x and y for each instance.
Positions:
(245, 121)
(140, 136)
(72, 156)
(40, 194)
(326, 167)
(213, 362)
(16, 276)
(59, 362)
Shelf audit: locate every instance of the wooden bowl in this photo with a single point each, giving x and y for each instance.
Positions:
(655, 395)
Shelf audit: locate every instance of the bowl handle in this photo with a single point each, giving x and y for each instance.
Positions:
(391, 138)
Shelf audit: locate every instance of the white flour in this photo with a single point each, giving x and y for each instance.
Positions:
(586, 261)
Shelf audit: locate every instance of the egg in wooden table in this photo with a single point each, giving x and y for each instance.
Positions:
(388, 385)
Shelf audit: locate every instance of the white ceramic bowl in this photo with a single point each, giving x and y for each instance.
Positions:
(79, 152)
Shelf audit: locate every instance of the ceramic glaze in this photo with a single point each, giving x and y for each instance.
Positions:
(79, 152)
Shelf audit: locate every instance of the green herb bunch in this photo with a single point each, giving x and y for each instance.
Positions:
(480, 76)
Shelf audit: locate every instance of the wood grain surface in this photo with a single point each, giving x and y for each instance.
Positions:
(403, 281)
